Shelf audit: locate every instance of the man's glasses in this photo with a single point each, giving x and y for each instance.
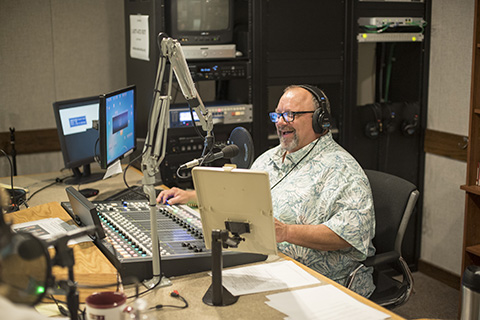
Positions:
(288, 116)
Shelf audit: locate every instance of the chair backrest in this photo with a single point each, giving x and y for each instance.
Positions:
(394, 201)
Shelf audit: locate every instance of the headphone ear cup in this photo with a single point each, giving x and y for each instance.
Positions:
(371, 130)
(409, 127)
(317, 120)
(320, 120)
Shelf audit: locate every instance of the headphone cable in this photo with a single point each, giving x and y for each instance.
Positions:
(296, 164)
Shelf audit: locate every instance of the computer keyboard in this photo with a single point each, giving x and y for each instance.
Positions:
(129, 194)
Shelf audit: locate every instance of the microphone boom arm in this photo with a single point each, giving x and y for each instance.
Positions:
(156, 140)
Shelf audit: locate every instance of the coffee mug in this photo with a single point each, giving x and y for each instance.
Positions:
(107, 305)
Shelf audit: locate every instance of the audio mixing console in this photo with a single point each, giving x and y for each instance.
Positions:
(128, 246)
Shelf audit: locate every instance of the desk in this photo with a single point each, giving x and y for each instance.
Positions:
(56, 192)
(91, 266)
(192, 287)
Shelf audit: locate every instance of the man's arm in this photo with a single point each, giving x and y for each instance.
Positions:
(318, 237)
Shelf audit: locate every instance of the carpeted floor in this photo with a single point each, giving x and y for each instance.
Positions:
(432, 300)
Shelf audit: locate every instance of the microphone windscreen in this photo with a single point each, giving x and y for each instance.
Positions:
(30, 249)
(230, 151)
(243, 140)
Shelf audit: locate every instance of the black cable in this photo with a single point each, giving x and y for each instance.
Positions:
(60, 308)
(296, 164)
(13, 195)
(125, 176)
(57, 180)
(95, 155)
(137, 294)
(174, 294)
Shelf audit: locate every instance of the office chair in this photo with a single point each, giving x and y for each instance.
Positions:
(394, 200)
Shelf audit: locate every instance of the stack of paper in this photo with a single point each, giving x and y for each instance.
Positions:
(49, 228)
(266, 277)
(322, 302)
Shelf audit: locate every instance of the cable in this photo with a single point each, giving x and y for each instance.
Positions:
(296, 164)
(174, 294)
(96, 157)
(125, 176)
(389, 72)
(57, 180)
(60, 308)
(137, 294)
(14, 197)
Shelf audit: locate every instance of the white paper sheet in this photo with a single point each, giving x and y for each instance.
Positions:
(323, 302)
(113, 169)
(266, 277)
(139, 44)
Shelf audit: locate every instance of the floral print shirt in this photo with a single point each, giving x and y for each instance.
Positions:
(323, 184)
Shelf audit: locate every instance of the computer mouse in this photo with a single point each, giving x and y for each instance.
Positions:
(89, 192)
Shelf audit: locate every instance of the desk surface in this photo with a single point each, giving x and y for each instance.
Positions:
(56, 192)
(191, 287)
(91, 267)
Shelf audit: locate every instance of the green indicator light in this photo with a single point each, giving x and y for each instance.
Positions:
(40, 290)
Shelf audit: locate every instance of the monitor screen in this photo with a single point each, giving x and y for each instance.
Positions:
(117, 125)
(78, 140)
(200, 21)
(201, 15)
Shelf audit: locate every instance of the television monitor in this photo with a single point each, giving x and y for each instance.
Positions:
(117, 125)
(194, 22)
(78, 139)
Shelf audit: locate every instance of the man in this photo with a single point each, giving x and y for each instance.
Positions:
(321, 197)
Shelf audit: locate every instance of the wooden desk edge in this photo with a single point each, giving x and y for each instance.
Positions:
(355, 295)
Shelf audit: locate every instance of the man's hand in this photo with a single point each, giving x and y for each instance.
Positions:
(280, 231)
(176, 196)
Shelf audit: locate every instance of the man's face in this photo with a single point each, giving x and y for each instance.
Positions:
(298, 133)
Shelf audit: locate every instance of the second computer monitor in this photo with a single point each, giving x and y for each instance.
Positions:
(77, 136)
(117, 125)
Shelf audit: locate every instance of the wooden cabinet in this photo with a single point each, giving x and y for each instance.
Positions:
(471, 235)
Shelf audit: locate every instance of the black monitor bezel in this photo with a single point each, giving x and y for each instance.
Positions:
(57, 106)
(103, 122)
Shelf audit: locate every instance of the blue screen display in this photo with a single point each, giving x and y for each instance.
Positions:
(120, 115)
(78, 121)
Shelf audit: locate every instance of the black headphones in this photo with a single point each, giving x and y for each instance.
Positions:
(26, 265)
(321, 116)
(375, 127)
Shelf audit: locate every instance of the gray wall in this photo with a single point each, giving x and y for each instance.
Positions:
(448, 108)
(53, 50)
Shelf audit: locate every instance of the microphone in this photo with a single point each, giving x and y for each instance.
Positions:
(30, 249)
(228, 152)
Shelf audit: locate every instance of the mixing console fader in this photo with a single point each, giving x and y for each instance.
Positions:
(128, 244)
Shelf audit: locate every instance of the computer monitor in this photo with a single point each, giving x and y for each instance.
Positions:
(117, 125)
(74, 119)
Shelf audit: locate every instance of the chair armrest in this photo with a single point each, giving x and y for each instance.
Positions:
(383, 258)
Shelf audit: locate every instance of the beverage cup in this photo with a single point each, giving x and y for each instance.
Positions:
(107, 305)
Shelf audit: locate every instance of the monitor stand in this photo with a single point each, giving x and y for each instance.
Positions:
(82, 178)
